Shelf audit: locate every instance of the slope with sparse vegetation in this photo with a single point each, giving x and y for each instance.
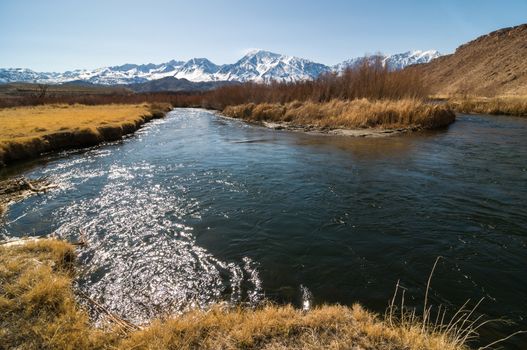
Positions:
(491, 65)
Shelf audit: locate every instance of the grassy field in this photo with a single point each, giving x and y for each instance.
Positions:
(18, 89)
(39, 311)
(351, 114)
(501, 105)
(28, 131)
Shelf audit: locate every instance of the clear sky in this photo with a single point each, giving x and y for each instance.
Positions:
(57, 35)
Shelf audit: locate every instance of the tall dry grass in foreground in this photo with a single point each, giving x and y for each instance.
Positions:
(504, 105)
(28, 131)
(362, 113)
(38, 310)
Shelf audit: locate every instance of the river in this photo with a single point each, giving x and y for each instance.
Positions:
(195, 209)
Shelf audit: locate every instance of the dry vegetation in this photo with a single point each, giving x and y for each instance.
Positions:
(284, 327)
(336, 114)
(503, 105)
(365, 96)
(38, 310)
(29, 131)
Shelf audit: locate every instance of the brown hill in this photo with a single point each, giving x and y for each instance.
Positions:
(493, 64)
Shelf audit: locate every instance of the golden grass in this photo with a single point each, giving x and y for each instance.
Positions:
(37, 306)
(28, 131)
(350, 114)
(20, 123)
(38, 311)
(284, 327)
(505, 105)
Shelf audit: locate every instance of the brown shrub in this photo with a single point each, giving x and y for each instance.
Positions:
(504, 105)
(362, 113)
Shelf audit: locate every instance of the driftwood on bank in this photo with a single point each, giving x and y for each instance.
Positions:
(122, 324)
(16, 189)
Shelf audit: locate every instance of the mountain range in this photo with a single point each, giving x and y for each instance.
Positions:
(256, 66)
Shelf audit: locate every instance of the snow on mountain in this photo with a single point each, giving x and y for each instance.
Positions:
(393, 62)
(401, 60)
(265, 66)
(26, 75)
(197, 69)
(257, 66)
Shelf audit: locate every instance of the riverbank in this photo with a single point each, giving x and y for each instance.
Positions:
(30, 131)
(14, 190)
(40, 310)
(360, 117)
(500, 105)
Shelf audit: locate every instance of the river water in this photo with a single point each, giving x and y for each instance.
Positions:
(195, 209)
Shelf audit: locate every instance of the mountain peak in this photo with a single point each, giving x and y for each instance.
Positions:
(199, 60)
(260, 52)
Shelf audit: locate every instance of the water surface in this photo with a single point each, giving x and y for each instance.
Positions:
(196, 209)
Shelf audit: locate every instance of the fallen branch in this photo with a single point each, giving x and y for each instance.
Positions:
(125, 326)
(17, 189)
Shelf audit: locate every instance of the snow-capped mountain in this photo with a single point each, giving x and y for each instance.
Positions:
(25, 75)
(197, 69)
(257, 66)
(402, 60)
(265, 66)
(393, 62)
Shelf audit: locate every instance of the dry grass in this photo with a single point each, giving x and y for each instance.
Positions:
(38, 311)
(504, 105)
(362, 113)
(28, 131)
(20, 123)
(37, 306)
(284, 327)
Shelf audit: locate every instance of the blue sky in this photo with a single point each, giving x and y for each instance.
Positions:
(57, 35)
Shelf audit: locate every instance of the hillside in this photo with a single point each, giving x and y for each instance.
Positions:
(493, 64)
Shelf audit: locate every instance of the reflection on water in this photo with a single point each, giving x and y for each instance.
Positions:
(141, 259)
(196, 209)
